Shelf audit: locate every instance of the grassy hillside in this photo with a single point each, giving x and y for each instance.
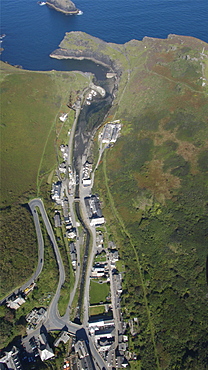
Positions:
(154, 191)
(30, 136)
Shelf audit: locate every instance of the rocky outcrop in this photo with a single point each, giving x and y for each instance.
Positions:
(79, 45)
(64, 6)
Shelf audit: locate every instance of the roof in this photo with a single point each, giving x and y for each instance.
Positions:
(45, 354)
(45, 351)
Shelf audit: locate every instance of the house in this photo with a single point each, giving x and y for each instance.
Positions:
(74, 260)
(71, 234)
(97, 221)
(105, 344)
(62, 167)
(99, 239)
(100, 321)
(36, 316)
(11, 360)
(15, 303)
(65, 151)
(45, 351)
(64, 337)
(86, 182)
(57, 219)
(106, 333)
(56, 192)
(98, 270)
(113, 255)
(93, 206)
(85, 361)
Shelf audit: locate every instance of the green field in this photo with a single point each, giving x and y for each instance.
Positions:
(98, 292)
(31, 133)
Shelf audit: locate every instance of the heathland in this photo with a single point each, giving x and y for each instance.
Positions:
(153, 186)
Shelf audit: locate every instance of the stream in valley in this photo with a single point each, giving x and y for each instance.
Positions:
(90, 119)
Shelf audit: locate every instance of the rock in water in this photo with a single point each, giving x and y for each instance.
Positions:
(64, 6)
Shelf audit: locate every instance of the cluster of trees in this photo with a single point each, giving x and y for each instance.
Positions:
(18, 246)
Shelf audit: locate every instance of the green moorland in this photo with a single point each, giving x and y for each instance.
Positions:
(31, 133)
(154, 188)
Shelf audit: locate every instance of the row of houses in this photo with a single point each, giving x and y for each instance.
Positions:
(102, 328)
(84, 357)
(90, 96)
(70, 230)
(99, 270)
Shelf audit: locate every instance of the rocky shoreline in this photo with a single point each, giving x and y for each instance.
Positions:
(69, 54)
(63, 6)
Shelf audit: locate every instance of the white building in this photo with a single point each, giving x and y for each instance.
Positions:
(16, 303)
(86, 182)
(63, 117)
(97, 221)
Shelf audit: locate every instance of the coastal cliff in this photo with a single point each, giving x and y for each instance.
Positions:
(79, 45)
(64, 6)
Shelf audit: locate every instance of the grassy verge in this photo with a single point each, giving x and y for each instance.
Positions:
(69, 280)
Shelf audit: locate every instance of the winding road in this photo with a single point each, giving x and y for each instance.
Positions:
(53, 320)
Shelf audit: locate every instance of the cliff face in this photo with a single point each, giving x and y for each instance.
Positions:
(64, 6)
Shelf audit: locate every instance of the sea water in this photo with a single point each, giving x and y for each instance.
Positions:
(33, 31)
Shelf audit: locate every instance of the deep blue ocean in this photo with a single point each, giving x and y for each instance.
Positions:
(34, 31)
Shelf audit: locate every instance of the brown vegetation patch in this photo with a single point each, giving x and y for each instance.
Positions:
(138, 83)
(162, 71)
(164, 135)
(159, 183)
(167, 57)
(190, 153)
(115, 163)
